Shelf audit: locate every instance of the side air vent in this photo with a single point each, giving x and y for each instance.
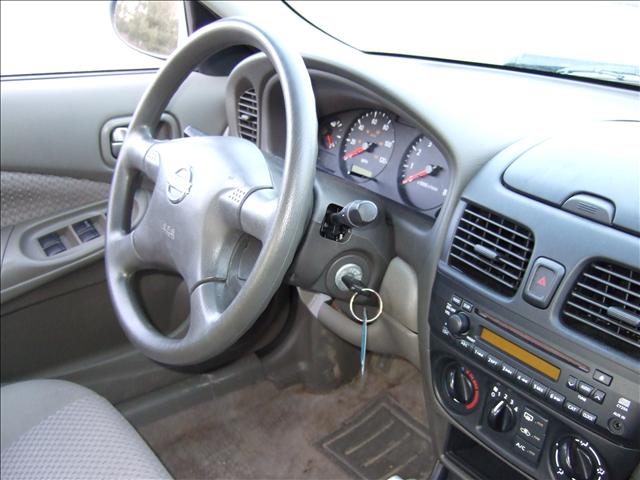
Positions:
(605, 304)
(248, 115)
(492, 249)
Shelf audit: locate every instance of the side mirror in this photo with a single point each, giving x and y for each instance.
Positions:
(151, 27)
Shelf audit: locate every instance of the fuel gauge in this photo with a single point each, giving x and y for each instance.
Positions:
(331, 133)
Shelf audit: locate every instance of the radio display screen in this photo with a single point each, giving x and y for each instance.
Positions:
(520, 354)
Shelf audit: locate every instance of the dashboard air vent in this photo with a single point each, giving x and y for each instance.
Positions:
(492, 249)
(605, 304)
(248, 115)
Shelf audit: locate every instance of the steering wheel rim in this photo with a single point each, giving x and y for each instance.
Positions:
(223, 187)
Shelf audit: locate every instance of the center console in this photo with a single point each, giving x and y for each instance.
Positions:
(535, 332)
(539, 408)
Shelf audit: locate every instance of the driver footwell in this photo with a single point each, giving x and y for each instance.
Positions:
(261, 432)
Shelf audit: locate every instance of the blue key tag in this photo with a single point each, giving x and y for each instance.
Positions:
(363, 343)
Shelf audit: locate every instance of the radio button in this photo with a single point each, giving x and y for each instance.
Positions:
(602, 377)
(523, 379)
(507, 370)
(598, 396)
(572, 382)
(493, 362)
(467, 307)
(481, 354)
(555, 398)
(585, 389)
(539, 388)
(456, 300)
(588, 416)
(572, 408)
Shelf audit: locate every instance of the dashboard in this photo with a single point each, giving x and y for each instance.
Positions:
(488, 248)
(380, 152)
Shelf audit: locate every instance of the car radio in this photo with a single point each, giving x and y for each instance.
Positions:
(544, 409)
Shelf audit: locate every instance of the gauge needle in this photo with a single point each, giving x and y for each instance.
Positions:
(429, 169)
(329, 139)
(357, 151)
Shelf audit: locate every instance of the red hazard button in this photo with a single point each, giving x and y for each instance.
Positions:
(543, 281)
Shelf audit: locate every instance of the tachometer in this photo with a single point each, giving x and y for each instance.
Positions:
(368, 146)
(423, 177)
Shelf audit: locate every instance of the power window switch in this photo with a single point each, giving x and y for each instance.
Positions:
(52, 244)
(85, 230)
(54, 249)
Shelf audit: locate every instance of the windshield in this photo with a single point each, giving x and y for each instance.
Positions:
(586, 39)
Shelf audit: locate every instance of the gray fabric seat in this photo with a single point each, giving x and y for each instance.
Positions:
(59, 430)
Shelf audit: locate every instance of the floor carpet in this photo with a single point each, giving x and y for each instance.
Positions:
(261, 432)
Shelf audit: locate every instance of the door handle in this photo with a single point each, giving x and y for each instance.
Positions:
(118, 135)
(114, 132)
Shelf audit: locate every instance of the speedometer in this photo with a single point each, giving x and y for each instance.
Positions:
(368, 146)
(423, 177)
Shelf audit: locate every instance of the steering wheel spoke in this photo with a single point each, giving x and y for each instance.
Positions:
(139, 153)
(205, 308)
(121, 249)
(258, 212)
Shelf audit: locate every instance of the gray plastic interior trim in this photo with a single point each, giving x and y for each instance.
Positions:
(5, 234)
(385, 335)
(66, 113)
(399, 290)
(191, 391)
(599, 158)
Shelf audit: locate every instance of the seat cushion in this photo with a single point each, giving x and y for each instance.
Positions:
(54, 429)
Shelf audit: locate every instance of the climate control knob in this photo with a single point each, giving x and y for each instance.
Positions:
(574, 458)
(461, 386)
(501, 417)
(458, 324)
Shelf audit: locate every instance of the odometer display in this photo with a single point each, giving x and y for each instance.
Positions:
(368, 146)
(423, 177)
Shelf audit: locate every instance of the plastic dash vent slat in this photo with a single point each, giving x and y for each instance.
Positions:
(604, 287)
(509, 243)
(248, 115)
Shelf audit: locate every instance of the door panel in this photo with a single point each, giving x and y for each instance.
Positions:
(52, 125)
(56, 319)
(68, 329)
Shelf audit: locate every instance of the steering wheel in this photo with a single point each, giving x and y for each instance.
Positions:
(209, 193)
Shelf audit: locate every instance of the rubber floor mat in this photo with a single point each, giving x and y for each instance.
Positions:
(380, 441)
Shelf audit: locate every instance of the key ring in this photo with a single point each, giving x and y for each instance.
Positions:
(353, 297)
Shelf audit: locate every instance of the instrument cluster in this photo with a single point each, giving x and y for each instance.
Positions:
(375, 149)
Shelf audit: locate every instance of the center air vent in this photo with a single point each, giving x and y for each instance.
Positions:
(605, 304)
(492, 249)
(248, 115)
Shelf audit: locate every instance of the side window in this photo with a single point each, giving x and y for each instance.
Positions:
(87, 36)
